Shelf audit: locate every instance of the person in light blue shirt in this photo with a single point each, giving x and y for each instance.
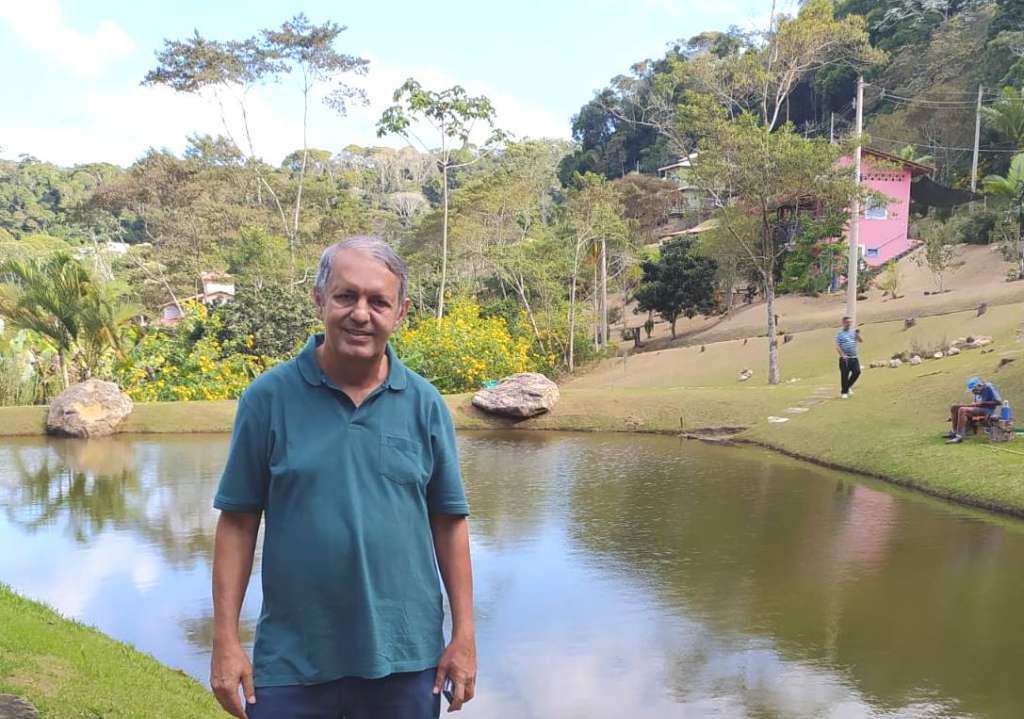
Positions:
(849, 364)
(350, 459)
(986, 402)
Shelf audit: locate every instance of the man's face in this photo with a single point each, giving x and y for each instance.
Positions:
(847, 323)
(359, 306)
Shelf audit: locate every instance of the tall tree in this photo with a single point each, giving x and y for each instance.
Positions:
(310, 50)
(451, 114)
(679, 282)
(747, 170)
(593, 218)
(230, 69)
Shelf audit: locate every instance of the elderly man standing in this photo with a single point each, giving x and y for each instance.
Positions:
(351, 459)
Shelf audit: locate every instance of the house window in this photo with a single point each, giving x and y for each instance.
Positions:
(874, 210)
(872, 252)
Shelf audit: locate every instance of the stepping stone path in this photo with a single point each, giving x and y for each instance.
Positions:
(12, 707)
(819, 396)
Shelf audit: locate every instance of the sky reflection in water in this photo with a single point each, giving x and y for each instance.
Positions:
(616, 575)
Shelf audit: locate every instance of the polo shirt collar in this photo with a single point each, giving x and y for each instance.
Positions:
(310, 370)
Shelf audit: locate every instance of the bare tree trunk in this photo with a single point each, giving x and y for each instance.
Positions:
(305, 156)
(597, 314)
(773, 341)
(444, 238)
(604, 294)
(62, 361)
(572, 323)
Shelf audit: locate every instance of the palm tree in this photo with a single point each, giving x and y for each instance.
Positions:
(1006, 116)
(57, 298)
(909, 153)
(1012, 188)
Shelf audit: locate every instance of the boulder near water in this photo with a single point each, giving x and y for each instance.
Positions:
(93, 408)
(520, 396)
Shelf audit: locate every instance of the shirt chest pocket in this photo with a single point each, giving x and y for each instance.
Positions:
(403, 460)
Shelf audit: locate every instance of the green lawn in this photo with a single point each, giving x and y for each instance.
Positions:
(71, 671)
(890, 428)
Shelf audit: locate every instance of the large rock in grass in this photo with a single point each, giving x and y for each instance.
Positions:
(93, 408)
(520, 396)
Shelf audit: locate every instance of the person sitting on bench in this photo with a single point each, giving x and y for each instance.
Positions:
(986, 401)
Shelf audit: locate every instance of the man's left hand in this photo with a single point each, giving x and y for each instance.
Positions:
(458, 663)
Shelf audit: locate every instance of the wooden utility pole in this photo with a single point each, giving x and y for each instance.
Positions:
(854, 232)
(977, 139)
(832, 128)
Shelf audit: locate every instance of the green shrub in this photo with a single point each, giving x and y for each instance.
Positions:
(977, 228)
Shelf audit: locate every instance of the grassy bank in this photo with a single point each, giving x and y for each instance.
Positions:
(68, 670)
(146, 418)
(890, 428)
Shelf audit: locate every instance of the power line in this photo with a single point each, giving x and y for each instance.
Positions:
(942, 147)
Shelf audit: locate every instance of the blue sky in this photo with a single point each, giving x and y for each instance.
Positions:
(72, 67)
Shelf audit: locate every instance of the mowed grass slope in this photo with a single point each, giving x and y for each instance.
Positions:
(890, 428)
(71, 671)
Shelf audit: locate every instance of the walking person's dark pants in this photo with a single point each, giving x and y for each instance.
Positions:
(397, 696)
(849, 371)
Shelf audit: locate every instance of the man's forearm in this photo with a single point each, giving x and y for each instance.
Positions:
(233, 550)
(451, 545)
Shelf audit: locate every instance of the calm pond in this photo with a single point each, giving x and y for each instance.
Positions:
(617, 575)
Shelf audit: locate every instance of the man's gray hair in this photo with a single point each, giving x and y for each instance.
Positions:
(376, 248)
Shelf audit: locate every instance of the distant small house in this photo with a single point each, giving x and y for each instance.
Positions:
(690, 199)
(884, 229)
(218, 288)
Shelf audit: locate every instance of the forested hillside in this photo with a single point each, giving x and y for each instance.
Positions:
(533, 236)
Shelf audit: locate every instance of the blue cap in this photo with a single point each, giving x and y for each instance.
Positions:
(972, 383)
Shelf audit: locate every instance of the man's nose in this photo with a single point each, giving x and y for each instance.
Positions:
(361, 311)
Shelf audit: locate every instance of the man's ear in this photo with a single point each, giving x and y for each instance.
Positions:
(318, 301)
(403, 312)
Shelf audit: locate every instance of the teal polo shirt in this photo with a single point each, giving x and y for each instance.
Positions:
(350, 581)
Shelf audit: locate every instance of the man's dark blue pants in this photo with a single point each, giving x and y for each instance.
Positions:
(396, 696)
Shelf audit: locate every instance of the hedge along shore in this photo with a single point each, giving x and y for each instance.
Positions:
(890, 429)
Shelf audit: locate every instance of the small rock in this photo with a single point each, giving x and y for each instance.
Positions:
(915, 360)
(982, 341)
(878, 363)
(778, 420)
(520, 396)
(959, 341)
(797, 410)
(938, 355)
(93, 408)
(953, 351)
(745, 374)
(894, 363)
(909, 322)
(14, 707)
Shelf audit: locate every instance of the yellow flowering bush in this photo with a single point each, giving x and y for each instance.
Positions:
(462, 350)
(187, 363)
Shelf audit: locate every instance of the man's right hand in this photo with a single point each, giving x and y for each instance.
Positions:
(230, 667)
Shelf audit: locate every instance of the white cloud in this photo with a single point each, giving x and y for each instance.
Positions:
(40, 26)
(120, 125)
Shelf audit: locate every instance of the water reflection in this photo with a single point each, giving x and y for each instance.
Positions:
(616, 575)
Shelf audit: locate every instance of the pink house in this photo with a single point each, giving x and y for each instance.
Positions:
(884, 228)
